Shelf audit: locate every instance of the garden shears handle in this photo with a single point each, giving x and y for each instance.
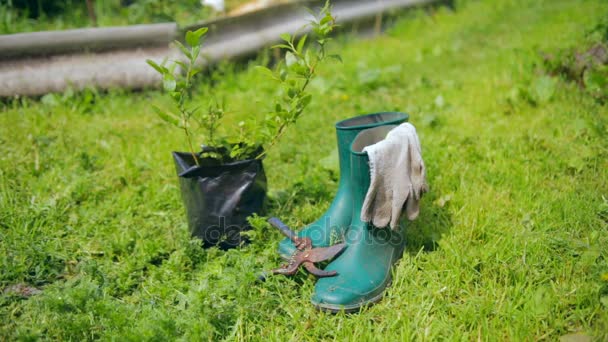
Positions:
(282, 227)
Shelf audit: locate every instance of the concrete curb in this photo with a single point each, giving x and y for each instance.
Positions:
(41, 62)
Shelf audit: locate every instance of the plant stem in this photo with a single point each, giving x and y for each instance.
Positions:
(189, 138)
(283, 125)
(185, 116)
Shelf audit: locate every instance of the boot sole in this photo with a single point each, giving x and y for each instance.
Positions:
(335, 308)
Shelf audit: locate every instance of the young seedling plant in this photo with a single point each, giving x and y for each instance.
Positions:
(293, 75)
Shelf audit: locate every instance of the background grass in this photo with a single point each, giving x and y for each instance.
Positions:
(39, 15)
(510, 244)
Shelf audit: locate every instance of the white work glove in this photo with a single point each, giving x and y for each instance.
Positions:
(398, 178)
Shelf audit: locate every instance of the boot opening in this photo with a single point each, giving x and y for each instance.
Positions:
(363, 121)
(370, 137)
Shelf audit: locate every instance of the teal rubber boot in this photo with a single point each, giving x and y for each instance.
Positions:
(337, 218)
(364, 268)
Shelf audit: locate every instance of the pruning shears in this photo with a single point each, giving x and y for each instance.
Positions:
(305, 254)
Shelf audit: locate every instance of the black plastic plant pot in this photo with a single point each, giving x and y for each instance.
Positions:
(219, 197)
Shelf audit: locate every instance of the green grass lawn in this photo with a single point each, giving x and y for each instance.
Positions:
(71, 14)
(511, 243)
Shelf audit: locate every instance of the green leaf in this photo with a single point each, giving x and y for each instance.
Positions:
(306, 100)
(181, 64)
(301, 70)
(264, 70)
(308, 57)
(281, 46)
(194, 71)
(195, 52)
(301, 43)
(181, 84)
(286, 37)
(169, 83)
(183, 49)
(326, 20)
(192, 39)
(167, 116)
(201, 32)
(161, 70)
(175, 95)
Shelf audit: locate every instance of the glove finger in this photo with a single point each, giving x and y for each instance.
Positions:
(418, 179)
(417, 169)
(367, 209)
(412, 208)
(382, 208)
(397, 205)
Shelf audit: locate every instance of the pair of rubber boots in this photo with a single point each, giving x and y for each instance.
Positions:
(364, 267)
